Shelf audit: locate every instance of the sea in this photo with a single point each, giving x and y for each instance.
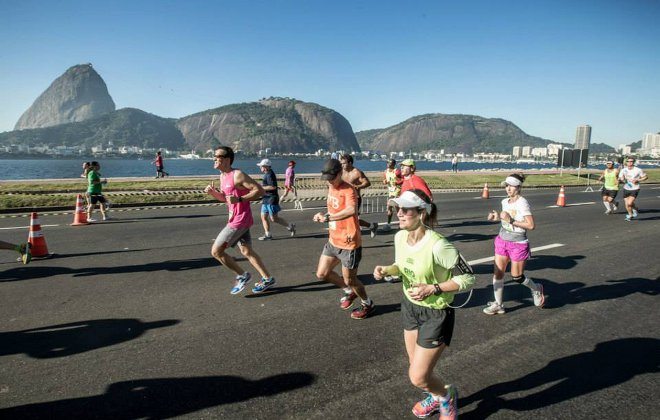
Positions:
(18, 169)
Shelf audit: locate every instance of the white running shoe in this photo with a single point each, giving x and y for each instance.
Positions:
(538, 296)
(494, 308)
(373, 229)
(91, 220)
(292, 229)
(615, 206)
(635, 214)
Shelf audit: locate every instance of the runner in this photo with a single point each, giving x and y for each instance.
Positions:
(160, 168)
(95, 192)
(393, 179)
(412, 181)
(512, 245)
(345, 242)
(359, 181)
(631, 175)
(270, 202)
(85, 171)
(290, 180)
(610, 187)
(432, 271)
(23, 249)
(237, 189)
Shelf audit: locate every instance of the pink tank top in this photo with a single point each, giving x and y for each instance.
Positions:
(240, 214)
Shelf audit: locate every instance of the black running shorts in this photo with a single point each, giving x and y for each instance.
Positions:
(434, 326)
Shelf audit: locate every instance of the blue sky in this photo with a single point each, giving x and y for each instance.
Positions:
(547, 66)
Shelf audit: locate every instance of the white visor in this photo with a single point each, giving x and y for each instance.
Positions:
(410, 200)
(514, 182)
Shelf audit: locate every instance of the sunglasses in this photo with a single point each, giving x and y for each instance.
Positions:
(405, 210)
(218, 157)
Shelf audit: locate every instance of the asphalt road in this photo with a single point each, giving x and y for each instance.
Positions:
(132, 318)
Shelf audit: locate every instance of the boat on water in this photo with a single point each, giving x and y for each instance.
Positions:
(191, 155)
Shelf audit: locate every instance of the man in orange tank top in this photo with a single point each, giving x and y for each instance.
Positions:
(345, 242)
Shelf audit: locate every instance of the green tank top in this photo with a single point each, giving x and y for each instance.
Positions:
(393, 189)
(611, 181)
(417, 265)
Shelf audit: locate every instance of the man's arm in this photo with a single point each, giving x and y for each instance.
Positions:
(243, 180)
(362, 181)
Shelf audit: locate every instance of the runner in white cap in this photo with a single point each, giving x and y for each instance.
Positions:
(511, 245)
(270, 202)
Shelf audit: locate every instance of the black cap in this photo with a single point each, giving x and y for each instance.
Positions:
(331, 169)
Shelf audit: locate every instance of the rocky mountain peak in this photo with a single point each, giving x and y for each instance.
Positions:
(77, 95)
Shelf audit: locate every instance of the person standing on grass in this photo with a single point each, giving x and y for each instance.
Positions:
(512, 245)
(237, 189)
(344, 244)
(270, 203)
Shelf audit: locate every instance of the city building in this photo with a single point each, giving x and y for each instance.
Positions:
(517, 152)
(553, 149)
(527, 151)
(583, 137)
(540, 152)
(651, 141)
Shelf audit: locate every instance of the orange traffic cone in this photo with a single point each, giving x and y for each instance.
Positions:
(36, 238)
(80, 216)
(561, 200)
(484, 193)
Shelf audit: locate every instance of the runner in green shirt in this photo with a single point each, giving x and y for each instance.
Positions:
(431, 270)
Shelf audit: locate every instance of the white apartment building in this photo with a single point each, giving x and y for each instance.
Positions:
(527, 151)
(553, 149)
(540, 152)
(517, 152)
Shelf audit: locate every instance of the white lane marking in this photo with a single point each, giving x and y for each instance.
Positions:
(24, 227)
(492, 196)
(573, 204)
(538, 248)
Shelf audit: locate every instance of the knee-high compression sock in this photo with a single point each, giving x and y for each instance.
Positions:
(528, 282)
(498, 289)
(607, 205)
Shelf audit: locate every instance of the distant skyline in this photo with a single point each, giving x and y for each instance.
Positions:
(546, 66)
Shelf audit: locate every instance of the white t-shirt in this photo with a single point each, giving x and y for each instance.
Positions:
(628, 175)
(518, 210)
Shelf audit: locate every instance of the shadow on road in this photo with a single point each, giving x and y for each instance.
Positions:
(35, 272)
(611, 363)
(539, 262)
(76, 337)
(162, 397)
(468, 237)
(466, 224)
(304, 287)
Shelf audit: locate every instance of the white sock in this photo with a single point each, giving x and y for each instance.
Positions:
(441, 398)
(529, 283)
(347, 290)
(607, 205)
(366, 302)
(498, 289)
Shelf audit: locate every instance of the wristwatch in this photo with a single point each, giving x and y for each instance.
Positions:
(327, 217)
(240, 199)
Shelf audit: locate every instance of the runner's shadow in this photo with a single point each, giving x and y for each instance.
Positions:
(305, 287)
(540, 262)
(468, 237)
(76, 337)
(190, 216)
(385, 309)
(466, 224)
(162, 397)
(611, 363)
(574, 293)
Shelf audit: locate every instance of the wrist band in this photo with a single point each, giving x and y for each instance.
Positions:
(438, 290)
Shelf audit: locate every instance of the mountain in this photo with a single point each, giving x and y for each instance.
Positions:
(281, 124)
(453, 133)
(124, 127)
(79, 94)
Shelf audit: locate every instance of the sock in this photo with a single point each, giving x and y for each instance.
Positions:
(367, 302)
(498, 289)
(267, 233)
(607, 205)
(441, 398)
(529, 283)
(347, 290)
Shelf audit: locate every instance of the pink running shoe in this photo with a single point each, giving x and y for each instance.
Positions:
(449, 408)
(347, 300)
(426, 407)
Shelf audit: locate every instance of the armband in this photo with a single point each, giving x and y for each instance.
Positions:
(327, 218)
(462, 267)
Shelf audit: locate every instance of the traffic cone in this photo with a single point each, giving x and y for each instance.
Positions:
(484, 193)
(80, 216)
(561, 200)
(36, 238)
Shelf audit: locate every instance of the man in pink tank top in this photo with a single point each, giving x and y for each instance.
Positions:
(237, 189)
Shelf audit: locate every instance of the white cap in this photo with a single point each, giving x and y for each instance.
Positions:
(410, 200)
(514, 182)
(264, 162)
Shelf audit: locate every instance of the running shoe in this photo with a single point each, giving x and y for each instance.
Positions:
(265, 238)
(426, 407)
(615, 206)
(538, 296)
(608, 211)
(292, 229)
(635, 214)
(346, 301)
(449, 407)
(106, 218)
(263, 285)
(26, 254)
(628, 218)
(240, 283)
(91, 220)
(373, 229)
(494, 308)
(363, 311)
